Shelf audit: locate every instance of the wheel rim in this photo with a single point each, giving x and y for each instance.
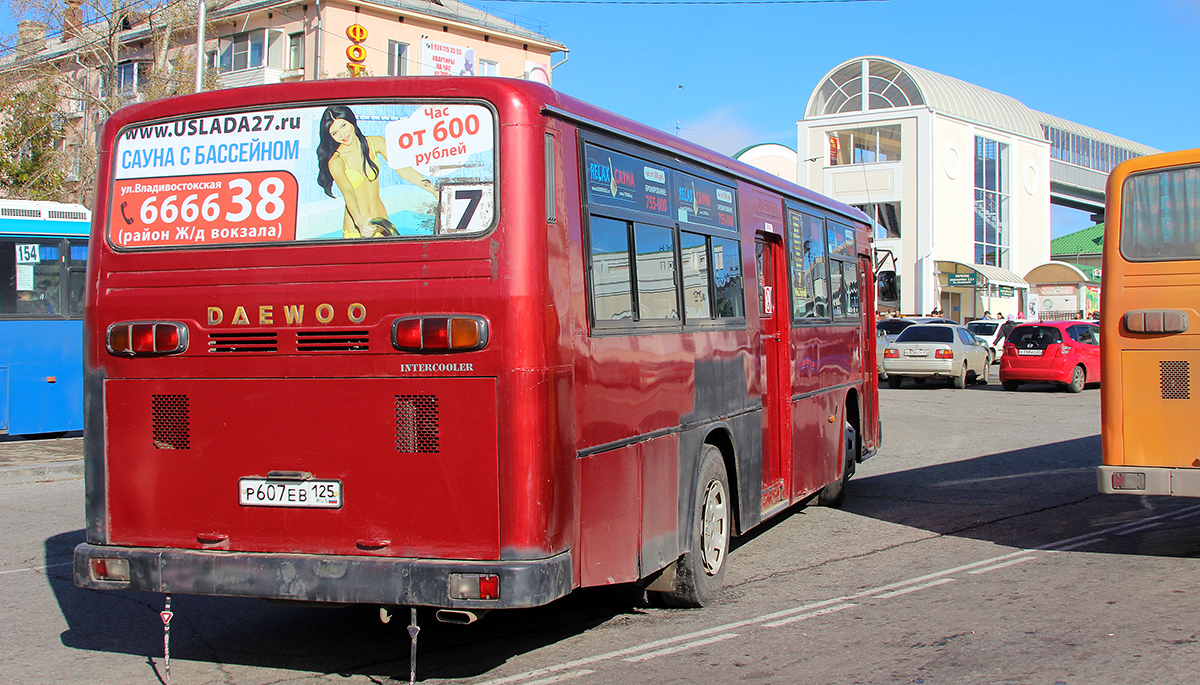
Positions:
(715, 528)
(1079, 377)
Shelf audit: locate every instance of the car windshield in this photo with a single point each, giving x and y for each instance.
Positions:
(983, 327)
(1031, 337)
(936, 334)
(892, 326)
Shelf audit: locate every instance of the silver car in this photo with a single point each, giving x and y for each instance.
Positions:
(936, 350)
(886, 331)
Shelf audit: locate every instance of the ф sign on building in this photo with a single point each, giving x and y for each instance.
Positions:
(356, 53)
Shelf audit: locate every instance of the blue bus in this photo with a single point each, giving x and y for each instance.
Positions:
(43, 263)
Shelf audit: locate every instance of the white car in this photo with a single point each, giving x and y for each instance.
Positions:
(985, 330)
(936, 350)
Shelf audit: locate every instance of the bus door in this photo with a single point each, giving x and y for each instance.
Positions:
(870, 402)
(777, 415)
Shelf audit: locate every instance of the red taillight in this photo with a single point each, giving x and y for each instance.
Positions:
(146, 338)
(943, 354)
(474, 586)
(1064, 349)
(891, 353)
(440, 333)
(114, 570)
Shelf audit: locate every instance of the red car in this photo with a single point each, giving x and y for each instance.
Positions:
(1064, 352)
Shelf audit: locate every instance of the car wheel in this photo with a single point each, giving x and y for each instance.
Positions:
(960, 381)
(1078, 379)
(893, 381)
(919, 381)
(985, 376)
(1010, 385)
(700, 571)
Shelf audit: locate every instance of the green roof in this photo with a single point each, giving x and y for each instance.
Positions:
(1089, 241)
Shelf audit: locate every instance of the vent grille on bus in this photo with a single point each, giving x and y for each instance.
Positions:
(417, 424)
(332, 341)
(242, 342)
(60, 214)
(17, 211)
(171, 424)
(1175, 378)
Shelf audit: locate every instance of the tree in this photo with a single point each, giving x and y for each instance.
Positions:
(101, 55)
(30, 166)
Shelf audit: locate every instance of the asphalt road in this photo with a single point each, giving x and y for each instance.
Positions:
(972, 549)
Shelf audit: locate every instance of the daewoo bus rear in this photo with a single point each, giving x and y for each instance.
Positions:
(425, 344)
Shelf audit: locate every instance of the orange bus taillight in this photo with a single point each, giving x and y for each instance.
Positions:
(440, 333)
(146, 338)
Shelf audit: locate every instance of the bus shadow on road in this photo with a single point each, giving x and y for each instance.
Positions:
(347, 640)
(1025, 498)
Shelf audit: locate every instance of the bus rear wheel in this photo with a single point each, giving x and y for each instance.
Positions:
(700, 572)
(834, 494)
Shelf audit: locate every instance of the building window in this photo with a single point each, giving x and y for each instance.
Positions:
(295, 51)
(397, 58)
(250, 50)
(865, 145)
(888, 86)
(489, 68)
(1085, 152)
(991, 203)
(886, 218)
(132, 77)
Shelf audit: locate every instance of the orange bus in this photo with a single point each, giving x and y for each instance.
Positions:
(1151, 283)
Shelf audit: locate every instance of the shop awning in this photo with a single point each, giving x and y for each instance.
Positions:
(992, 274)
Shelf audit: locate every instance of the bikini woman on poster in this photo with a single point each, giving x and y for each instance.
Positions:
(346, 157)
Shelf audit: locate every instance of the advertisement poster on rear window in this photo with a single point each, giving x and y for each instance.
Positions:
(333, 172)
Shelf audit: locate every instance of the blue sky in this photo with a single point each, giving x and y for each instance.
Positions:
(733, 75)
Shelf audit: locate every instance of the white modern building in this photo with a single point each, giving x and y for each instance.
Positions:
(959, 178)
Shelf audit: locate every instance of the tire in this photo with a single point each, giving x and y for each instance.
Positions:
(1078, 380)
(987, 373)
(894, 381)
(960, 381)
(919, 381)
(700, 572)
(834, 494)
(1010, 385)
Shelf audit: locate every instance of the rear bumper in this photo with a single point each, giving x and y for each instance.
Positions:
(326, 578)
(1052, 375)
(925, 368)
(1158, 481)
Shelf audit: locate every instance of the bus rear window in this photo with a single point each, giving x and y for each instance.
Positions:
(1160, 215)
(300, 174)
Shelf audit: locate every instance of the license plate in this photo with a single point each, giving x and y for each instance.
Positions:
(916, 353)
(1029, 353)
(265, 492)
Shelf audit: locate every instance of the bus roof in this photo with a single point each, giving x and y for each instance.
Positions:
(36, 218)
(532, 99)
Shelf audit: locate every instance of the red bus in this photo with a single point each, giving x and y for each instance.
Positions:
(464, 343)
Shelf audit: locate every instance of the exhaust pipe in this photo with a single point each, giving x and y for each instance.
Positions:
(460, 617)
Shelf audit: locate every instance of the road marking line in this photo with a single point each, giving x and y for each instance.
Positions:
(37, 568)
(905, 591)
(1010, 562)
(801, 617)
(680, 648)
(1078, 545)
(560, 677)
(772, 619)
(1145, 526)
